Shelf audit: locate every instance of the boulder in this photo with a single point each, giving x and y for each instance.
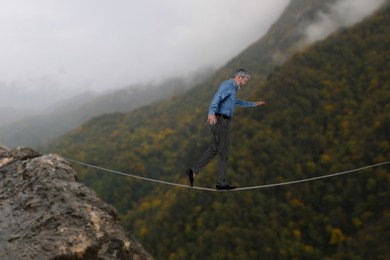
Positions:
(45, 213)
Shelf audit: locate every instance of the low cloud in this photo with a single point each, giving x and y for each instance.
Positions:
(343, 13)
(100, 45)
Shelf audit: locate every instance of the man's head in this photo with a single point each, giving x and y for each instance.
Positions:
(241, 77)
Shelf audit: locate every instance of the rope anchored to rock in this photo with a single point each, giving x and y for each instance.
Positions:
(237, 189)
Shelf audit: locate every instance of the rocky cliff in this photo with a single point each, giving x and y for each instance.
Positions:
(45, 213)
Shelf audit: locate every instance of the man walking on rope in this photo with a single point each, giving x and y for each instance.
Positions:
(220, 113)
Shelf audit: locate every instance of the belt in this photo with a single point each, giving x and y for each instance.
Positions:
(222, 115)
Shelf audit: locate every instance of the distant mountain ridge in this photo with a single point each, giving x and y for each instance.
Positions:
(37, 129)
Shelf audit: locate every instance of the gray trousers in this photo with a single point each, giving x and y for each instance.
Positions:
(219, 146)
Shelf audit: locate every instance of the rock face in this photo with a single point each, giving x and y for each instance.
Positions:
(46, 214)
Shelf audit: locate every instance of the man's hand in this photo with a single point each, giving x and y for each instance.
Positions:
(260, 103)
(212, 119)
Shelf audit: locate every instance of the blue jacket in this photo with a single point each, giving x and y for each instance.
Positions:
(225, 99)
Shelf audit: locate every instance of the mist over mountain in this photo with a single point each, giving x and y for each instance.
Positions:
(10, 114)
(45, 100)
(36, 95)
(98, 46)
(341, 14)
(41, 127)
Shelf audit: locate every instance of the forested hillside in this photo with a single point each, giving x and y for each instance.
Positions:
(328, 110)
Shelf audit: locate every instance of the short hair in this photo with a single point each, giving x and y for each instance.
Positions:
(242, 73)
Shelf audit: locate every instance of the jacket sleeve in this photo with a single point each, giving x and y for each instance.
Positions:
(244, 103)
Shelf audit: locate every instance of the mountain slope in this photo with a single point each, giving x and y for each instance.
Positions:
(327, 111)
(183, 116)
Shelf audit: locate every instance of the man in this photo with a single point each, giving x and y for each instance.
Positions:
(220, 113)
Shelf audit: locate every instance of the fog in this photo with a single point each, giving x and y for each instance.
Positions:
(51, 49)
(342, 14)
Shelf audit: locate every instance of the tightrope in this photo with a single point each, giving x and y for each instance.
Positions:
(237, 189)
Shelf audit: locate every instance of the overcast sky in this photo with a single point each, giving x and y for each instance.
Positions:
(102, 44)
